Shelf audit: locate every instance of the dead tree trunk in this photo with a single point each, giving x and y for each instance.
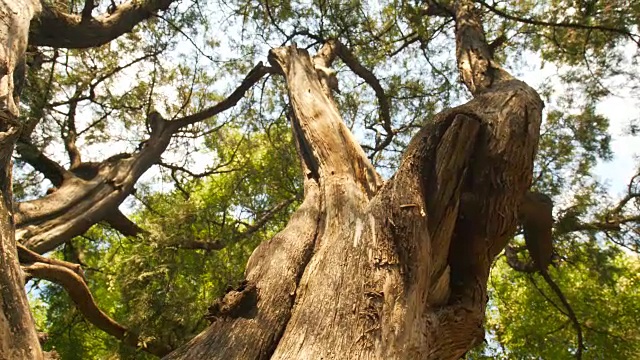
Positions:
(18, 338)
(395, 270)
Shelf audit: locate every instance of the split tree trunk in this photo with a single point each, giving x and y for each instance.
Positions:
(18, 338)
(363, 269)
(384, 271)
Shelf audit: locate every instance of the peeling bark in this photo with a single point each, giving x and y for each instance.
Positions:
(18, 337)
(396, 270)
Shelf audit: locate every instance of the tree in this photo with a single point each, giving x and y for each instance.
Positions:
(396, 268)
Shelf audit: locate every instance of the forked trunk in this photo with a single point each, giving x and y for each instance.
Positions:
(364, 269)
(382, 271)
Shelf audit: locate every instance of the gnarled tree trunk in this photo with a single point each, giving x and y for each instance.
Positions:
(385, 271)
(18, 338)
(364, 269)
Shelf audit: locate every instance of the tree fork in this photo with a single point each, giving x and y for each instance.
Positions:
(398, 271)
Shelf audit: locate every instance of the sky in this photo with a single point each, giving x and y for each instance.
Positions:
(620, 107)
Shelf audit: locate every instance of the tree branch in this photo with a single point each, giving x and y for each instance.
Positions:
(209, 245)
(78, 291)
(87, 9)
(80, 202)
(570, 313)
(511, 254)
(251, 79)
(58, 29)
(30, 154)
(70, 135)
(476, 65)
(117, 220)
(365, 74)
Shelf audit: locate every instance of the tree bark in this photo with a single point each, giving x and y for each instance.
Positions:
(364, 269)
(18, 337)
(386, 271)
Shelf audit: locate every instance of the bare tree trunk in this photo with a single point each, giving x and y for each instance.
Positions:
(18, 338)
(386, 271)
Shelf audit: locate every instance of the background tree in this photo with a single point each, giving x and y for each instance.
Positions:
(397, 70)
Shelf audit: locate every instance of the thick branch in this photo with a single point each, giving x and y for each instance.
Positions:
(324, 136)
(536, 216)
(58, 29)
(81, 296)
(27, 256)
(87, 10)
(34, 157)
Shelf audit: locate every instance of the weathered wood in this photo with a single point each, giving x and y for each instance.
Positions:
(398, 271)
(18, 337)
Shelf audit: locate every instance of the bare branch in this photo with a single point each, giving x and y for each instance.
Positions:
(27, 256)
(251, 79)
(70, 135)
(175, 168)
(209, 245)
(383, 101)
(43, 224)
(511, 254)
(570, 313)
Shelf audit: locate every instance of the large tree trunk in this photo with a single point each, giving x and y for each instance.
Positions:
(385, 271)
(18, 338)
(363, 269)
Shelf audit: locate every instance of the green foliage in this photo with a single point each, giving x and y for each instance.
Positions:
(526, 320)
(188, 58)
(157, 285)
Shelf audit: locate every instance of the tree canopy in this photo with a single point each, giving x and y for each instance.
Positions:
(157, 152)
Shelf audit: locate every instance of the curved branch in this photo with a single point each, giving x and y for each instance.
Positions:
(511, 254)
(26, 256)
(78, 291)
(383, 101)
(80, 202)
(251, 79)
(58, 29)
(570, 313)
(30, 154)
